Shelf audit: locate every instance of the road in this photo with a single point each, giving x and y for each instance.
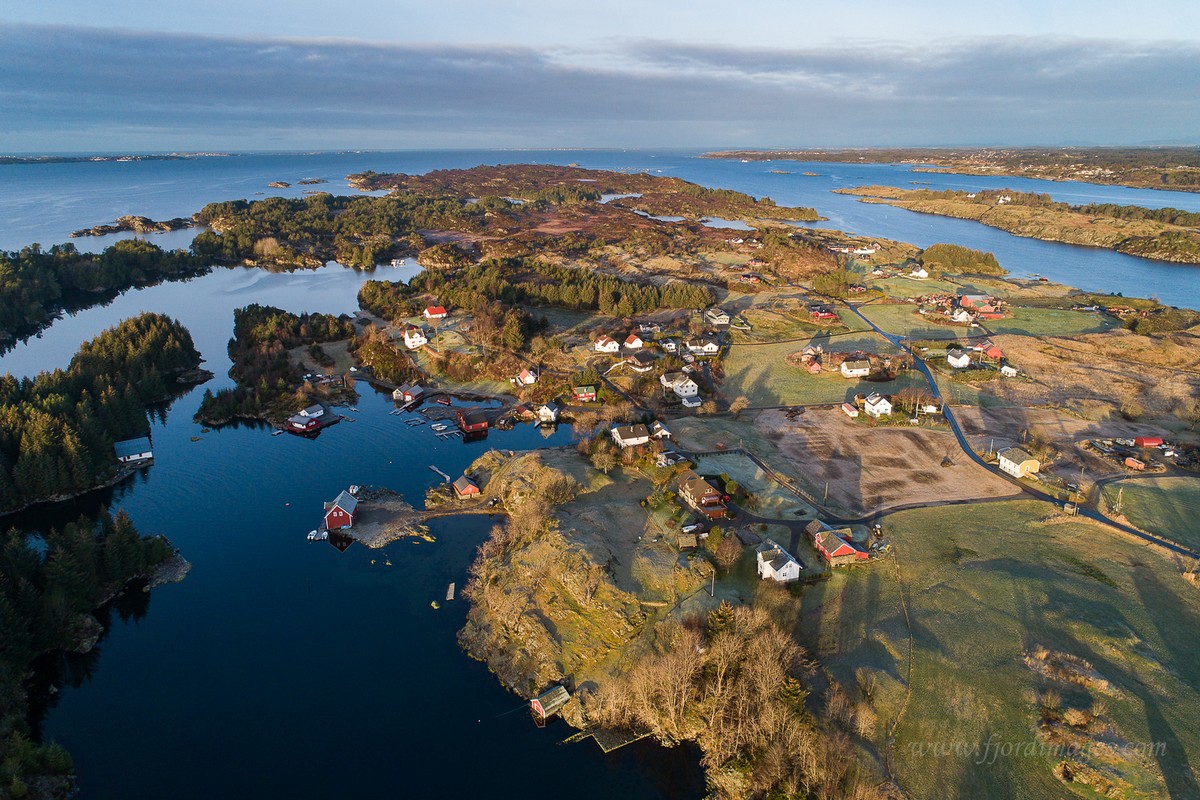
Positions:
(948, 413)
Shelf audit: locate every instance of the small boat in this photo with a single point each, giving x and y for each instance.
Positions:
(444, 400)
(435, 605)
(450, 592)
(318, 536)
(438, 427)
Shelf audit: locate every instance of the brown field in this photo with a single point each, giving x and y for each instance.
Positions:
(869, 469)
(1094, 375)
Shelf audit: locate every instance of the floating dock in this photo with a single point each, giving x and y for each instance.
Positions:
(450, 592)
(439, 472)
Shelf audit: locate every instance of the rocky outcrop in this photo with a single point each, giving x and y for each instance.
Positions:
(136, 224)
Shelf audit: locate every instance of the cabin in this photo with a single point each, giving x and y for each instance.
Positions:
(414, 337)
(775, 563)
(702, 496)
(528, 377)
(584, 394)
(717, 316)
(850, 410)
(1018, 463)
(836, 547)
(957, 358)
(464, 487)
(1148, 441)
(856, 368)
(408, 393)
(1008, 371)
(606, 344)
(641, 361)
(131, 451)
(633, 342)
(434, 312)
(472, 420)
(341, 512)
(824, 313)
(877, 405)
(631, 435)
(549, 703)
(548, 414)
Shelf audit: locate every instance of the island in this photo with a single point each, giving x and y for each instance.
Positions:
(1169, 168)
(1163, 234)
(136, 224)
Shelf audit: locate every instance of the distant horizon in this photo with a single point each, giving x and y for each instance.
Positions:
(229, 153)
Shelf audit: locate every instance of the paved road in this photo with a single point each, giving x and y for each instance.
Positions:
(952, 421)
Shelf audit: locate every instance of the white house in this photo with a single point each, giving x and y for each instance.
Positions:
(659, 431)
(877, 405)
(1008, 371)
(606, 344)
(634, 342)
(960, 315)
(414, 337)
(548, 414)
(717, 316)
(313, 411)
(856, 368)
(776, 563)
(680, 383)
(958, 359)
(850, 410)
(631, 435)
(1018, 462)
(919, 272)
(528, 377)
(704, 346)
(434, 312)
(669, 345)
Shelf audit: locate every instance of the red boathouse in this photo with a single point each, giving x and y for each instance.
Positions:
(341, 511)
(472, 420)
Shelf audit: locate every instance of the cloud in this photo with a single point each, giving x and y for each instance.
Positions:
(70, 88)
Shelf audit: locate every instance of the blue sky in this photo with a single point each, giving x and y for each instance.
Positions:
(136, 75)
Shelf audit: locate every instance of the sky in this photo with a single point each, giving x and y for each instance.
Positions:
(155, 75)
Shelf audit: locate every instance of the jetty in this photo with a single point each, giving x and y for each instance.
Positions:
(450, 592)
(439, 472)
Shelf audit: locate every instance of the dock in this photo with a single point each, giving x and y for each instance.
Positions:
(608, 740)
(450, 592)
(439, 472)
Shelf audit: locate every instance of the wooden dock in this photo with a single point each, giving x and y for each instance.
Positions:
(439, 472)
(608, 740)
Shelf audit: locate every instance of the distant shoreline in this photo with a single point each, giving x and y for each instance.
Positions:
(108, 159)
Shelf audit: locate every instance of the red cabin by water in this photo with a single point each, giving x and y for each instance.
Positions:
(341, 511)
(472, 420)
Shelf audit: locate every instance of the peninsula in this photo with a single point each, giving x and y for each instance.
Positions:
(1169, 168)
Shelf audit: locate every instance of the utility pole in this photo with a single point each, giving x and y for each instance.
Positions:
(1120, 491)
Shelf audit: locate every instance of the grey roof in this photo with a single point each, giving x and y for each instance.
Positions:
(132, 447)
(638, 431)
(345, 501)
(856, 363)
(1016, 455)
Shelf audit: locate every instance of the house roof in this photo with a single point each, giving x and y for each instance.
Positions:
(633, 338)
(955, 353)
(856, 363)
(431, 310)
(132, 447)
(695, 485)
(1016, 455)
(589, 389)
(473, 416)
(463, 483)
(641, 358)
(345, 501)
(315, 410)
(552, 407)
(624, 432)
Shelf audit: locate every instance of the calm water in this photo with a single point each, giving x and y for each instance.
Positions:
(282, 667)
(45, 202)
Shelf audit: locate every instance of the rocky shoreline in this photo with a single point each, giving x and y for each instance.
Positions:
(136, 224)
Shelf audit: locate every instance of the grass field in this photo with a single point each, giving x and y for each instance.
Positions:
(762, 374)
(907, 287)
(1169, 507)
(1051, 322)
(902, 318)
(984, 585)
(771, 500)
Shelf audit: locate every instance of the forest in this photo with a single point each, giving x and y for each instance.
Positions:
(956, 259)
(37, 284)
(266, 377)
(529, 281)
(57, 429)
(306, 232)
(49, 587)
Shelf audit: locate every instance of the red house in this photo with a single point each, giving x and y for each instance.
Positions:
(584, 394)
(465, 487)
(341, 511)
(1148, 441)
(435, 312)
(835, 547)
(472, 420)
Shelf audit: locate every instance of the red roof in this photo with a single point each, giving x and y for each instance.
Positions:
(435, 311)
(1148, 441)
